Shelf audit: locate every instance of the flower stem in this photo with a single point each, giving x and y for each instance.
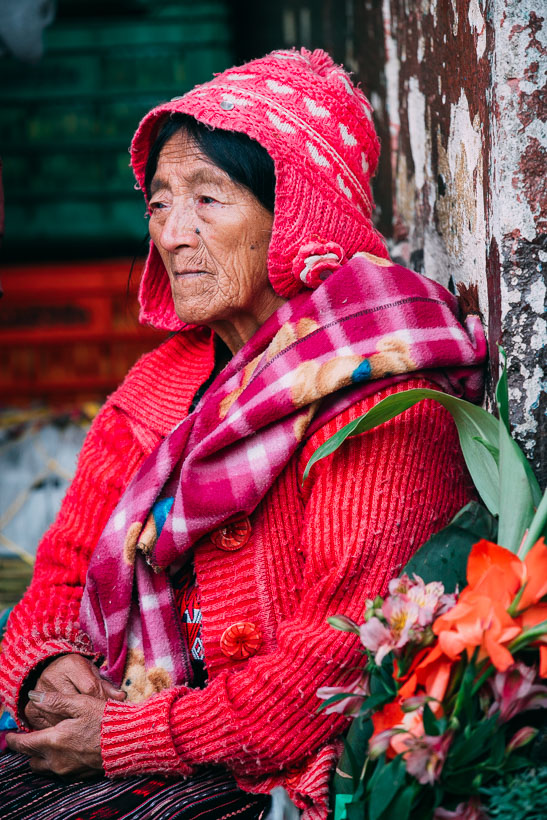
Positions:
(484, 677)
(528, 637)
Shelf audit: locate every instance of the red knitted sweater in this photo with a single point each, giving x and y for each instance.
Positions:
(316, 550)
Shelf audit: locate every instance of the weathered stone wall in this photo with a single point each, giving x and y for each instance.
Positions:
(466, 106)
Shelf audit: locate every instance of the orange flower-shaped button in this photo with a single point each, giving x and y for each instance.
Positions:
(233, 536)
(240, 641)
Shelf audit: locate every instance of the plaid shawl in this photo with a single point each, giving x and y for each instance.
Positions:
(367, 326)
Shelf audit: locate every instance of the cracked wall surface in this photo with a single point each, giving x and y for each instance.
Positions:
(466, 103)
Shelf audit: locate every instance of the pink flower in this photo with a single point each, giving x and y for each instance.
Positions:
(463, 811)
(401, 585)
(430, 600)
(376, 637)
(515, 691)
(356, 691)
(401, 615)
(426, 755)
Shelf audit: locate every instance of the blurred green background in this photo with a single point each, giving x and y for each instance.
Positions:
(66, 122)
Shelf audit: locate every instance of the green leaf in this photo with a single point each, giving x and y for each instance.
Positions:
(400, 808)
(444, 556)
(355, 811)
(516, 493)
(492, 449)
(332, 444)
(380, 765)
(538, 527)
(471, 421)
(353, 756)
(502, 392)
(374, 701)
(517, 762)
(430, 723)
(471, 745)
(355, 767)
(335, 699)
(386, 786)
(385, 674)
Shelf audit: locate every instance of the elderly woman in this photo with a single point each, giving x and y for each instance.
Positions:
(175, 626)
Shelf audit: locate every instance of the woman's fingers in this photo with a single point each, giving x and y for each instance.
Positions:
(70, 675)
(70, 747)
(58, 704)
(108, 689)
(33, 744)
(37, 719)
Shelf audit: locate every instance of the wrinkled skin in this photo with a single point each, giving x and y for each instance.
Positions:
(70, 747)
(69, 675)
(219, 275)
(65, 712)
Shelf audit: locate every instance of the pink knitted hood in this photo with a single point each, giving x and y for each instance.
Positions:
(317, 127)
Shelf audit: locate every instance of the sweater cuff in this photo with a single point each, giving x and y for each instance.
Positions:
(136, 737)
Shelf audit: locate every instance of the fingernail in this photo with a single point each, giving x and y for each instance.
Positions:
(36, 697)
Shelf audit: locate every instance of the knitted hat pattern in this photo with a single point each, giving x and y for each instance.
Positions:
(317, 127)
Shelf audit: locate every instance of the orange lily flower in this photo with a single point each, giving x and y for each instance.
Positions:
(433, 673)
(536, 575)
(391, 715)
(497, 572)
(478, 621)
(531, 617)
(480, 618)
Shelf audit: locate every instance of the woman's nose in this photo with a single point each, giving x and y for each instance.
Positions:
(179, 230)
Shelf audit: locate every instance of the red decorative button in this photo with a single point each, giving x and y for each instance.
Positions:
(240, 641)
(233, 536)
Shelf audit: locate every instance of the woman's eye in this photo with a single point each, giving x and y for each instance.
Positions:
(207, 200)
(157, 206)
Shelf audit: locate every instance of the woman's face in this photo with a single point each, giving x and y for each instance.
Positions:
(218, 273)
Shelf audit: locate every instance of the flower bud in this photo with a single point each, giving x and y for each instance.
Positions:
(521, 738)
(378, 744)
(415, 702)
(343, 623)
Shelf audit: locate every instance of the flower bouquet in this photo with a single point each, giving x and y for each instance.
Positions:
(449, 706)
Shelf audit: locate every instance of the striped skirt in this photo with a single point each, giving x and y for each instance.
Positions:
(212, 794)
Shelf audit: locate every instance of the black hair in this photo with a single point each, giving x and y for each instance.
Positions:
(245, 161)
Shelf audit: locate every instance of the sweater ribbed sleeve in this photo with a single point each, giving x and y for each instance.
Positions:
(367, 508)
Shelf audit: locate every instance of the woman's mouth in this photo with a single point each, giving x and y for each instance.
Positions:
(188, 273)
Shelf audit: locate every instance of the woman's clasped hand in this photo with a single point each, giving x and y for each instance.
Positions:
(65, 710)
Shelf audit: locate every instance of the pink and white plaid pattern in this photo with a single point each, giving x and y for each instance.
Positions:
(368, 325)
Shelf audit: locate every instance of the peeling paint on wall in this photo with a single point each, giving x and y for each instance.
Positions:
(466, 102)
(519, 212)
